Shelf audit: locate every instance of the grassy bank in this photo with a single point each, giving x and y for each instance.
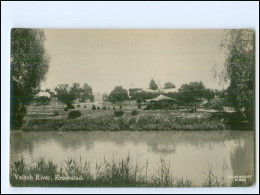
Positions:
(108, 174)
(105, 120)
(50, 118)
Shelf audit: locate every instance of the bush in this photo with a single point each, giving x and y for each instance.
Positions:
(56, 113)
(70, 106)
(94, 107)
(66, 109)
(120, 107)
(104, 108)
(85, 106)
(118, 113)
(74, 114)
(78, 106)
(114, 108)
(98, 108)
(134, 112)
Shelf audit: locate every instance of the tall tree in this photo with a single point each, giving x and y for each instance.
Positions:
(29, 65)
(118, 94)
(153, 85)
(65, 94)
(76, 90)
(87, 92)
(239, 71)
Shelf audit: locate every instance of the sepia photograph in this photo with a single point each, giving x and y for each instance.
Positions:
(132, 107)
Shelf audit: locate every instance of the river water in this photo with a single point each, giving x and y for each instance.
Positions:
(189, 154)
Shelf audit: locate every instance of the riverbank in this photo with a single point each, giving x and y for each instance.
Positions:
(123, 173)
(105, 120)
(48, 118)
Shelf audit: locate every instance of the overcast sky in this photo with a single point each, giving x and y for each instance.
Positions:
(108, 58)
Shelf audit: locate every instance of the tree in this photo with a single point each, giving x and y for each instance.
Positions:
(87, 93)
(43, 100)
(239, 70)
(29, 65)
(153, 85)
(118, 94)
(65, 94)
(76, 90)
(169, 85)
(188, 93)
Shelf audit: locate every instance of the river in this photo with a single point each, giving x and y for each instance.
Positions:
(190, 154)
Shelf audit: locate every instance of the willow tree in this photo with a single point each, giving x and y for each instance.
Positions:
(239, 70)
(29, 65)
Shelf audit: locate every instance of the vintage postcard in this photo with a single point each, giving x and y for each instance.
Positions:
(132, 108)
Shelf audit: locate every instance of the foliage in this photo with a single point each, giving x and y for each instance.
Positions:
(74, 114)
(105, 120)
(65, 95)
(188, 93)
(126, 172)
(143, 95)
(118, 113)
(87, 93)
(153, 85)
(43, 100)
(133, 93)
(82, 93)
(118, 94)
(169, 85)
(239, 71)
(56, 113)
(134, 112)
(29, 65)
(94, 107)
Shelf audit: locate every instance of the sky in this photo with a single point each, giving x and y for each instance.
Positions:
(106, 58)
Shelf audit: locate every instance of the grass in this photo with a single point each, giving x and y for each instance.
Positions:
(131, 120)
(128, 119)
(122, 173)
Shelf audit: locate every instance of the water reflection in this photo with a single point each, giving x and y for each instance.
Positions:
(189, 152)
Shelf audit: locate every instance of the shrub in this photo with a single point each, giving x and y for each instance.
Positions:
(104, 108)
(56, 113)
(74, 114)
(70, 106)
(118, 113)
(114, 108)
(139, 106)
(94, 107)
(98, 108)
(78, 106)
(85, 106)
(66, 109)
(134, 112)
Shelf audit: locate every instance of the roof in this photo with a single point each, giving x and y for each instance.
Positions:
(161, 98)
(46, 94)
